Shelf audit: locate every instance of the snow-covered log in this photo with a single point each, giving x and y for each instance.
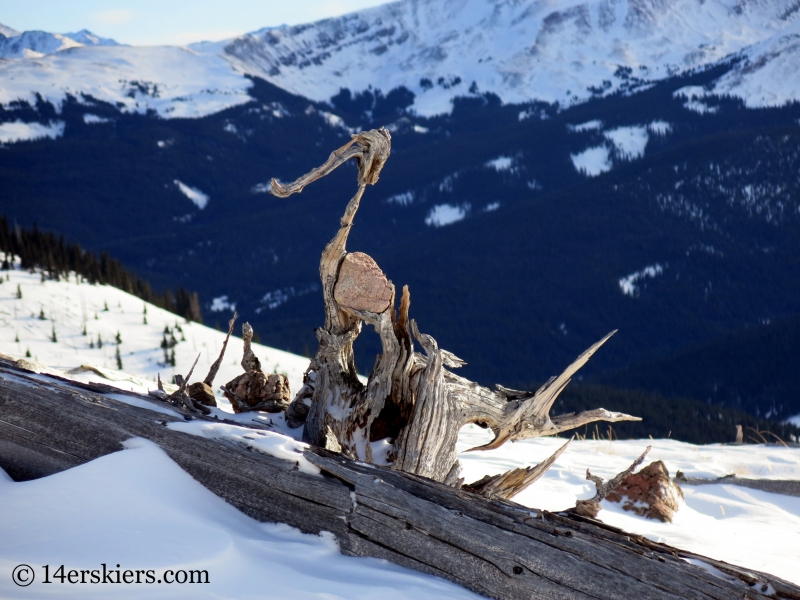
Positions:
(489, 545)
(411, 398)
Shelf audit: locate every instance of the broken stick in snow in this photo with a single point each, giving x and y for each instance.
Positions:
(590, 507)
(410, 398)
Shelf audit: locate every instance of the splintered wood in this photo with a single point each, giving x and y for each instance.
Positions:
(411, 398)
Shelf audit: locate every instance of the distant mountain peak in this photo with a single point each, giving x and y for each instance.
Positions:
(87, 38)
(8, 31)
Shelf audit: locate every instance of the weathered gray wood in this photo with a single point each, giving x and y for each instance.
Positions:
(787, 487)
(492, 546)
(410, 398)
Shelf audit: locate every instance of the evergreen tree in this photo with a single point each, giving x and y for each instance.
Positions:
(28, 353)
(41, 314)
(118, 339)
(19, 292)
(53, 337)
(118, 356)
(99, 341)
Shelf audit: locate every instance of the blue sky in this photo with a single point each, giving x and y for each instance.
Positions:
(148, 22)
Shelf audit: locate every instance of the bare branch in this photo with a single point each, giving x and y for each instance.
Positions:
(509, 484)
(212, 372)
(590, 507)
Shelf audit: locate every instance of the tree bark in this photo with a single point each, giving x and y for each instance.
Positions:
(491, 546)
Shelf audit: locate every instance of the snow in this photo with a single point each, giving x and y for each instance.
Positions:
(445, 214)
(138, 509)
(628, 284)
(35, 44)
(19, 131)
(550, 51)
(173, 82)
(768, 74)
(659, 128)
(699, 107)
(592, 125)
(403, 199)
(221, 304)
(558, 52)
(67, 305)
(629, 142)
(592, 161)
(193, 194)
(268, 442)
(91, 119)
(726, 522)
(501, 163)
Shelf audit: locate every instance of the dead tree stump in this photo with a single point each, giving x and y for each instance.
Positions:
(412, 398)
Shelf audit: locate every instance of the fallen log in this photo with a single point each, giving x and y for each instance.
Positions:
(489, 545)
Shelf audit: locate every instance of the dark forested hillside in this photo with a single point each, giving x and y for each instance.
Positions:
(686, 234)
(56, 259)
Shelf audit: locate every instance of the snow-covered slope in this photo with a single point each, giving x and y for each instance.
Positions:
(172, 81)
(8, 31)
(46, 326)
(552, 50)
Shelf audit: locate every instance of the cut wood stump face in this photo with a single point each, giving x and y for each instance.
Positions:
(362, 285)
(649, 493)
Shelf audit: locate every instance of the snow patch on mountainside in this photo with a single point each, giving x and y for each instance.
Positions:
(91, 119)
(199, 198)
(627, 285)
(445, 214)
(592, 161)
(629, 142)
(18, 131)
(593, 125)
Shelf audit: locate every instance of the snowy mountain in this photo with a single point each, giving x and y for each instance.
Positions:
(8, 31)
(36, 44)
(558, 51)
(564, 51)
(87, 38)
